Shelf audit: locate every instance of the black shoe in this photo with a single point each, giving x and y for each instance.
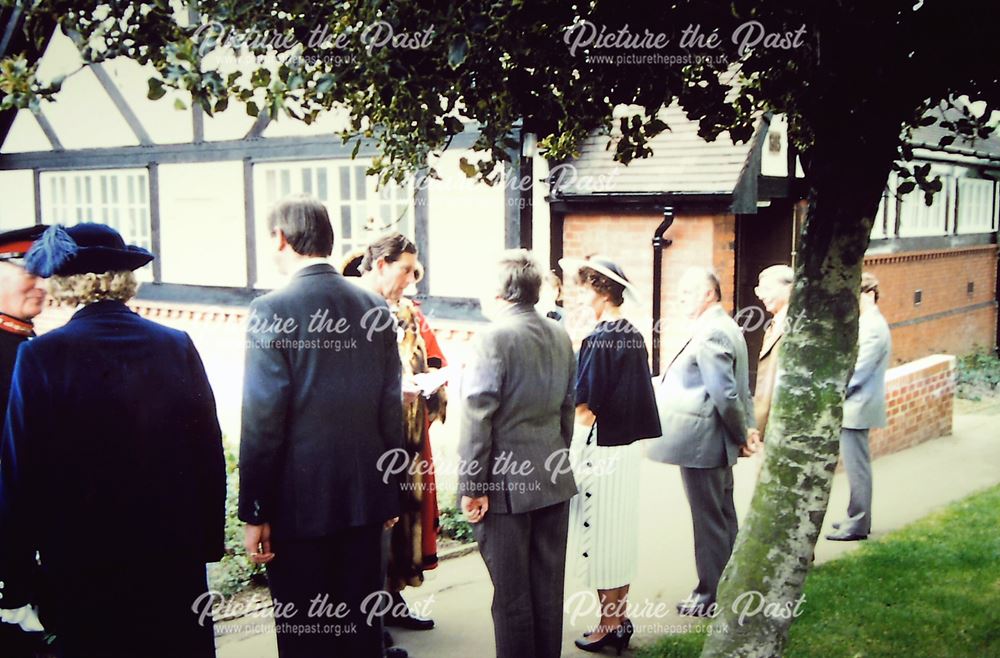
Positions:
(396, 652)
(618, 638)
(846, 536)
(401, 617)
(696, 607)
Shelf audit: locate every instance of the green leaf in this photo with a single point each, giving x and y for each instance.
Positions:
(458, 51)
(252, 109)
(179, 104)
(906, 187)
(156, 90)
(260, 78)
(325, 84)
(467, 167)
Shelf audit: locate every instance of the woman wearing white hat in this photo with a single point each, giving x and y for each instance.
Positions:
(615, 408)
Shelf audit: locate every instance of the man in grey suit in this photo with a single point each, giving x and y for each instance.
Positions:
(517, 399)
(864, 408)
(321, 405)
(707, 417)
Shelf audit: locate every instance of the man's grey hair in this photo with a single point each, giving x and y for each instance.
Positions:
(782, 274)
(709, 278)
(520, 278)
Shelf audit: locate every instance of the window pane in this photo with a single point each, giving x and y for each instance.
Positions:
(286, 182)
(271, 187)
(321, 184)
(307, 180)
(345, 183)
(360, 182)
(345, 222)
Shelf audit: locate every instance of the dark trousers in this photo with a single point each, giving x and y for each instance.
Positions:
(317, 575)
(710, 494)
(16, 643)
(526, 557)
(858, 464)
(127, 610)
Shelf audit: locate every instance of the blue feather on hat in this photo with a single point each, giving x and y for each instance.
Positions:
(50, 251)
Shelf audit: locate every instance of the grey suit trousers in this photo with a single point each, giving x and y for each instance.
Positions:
(526, 556)
(710, 494)
(858, 464)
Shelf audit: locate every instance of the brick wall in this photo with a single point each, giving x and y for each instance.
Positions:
(949, 319)
(698, 240)
(920, 400)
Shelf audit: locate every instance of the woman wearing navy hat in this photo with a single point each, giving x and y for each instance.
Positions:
(615, 407)
(111, 464)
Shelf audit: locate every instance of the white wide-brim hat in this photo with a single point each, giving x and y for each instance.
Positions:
(605, 266)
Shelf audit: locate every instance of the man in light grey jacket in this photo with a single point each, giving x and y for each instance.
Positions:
(517, 406)
(864, 408)
(707, 417)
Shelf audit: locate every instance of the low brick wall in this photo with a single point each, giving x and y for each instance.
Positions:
(920, 397)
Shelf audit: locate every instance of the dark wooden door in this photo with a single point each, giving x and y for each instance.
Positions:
(762, 240)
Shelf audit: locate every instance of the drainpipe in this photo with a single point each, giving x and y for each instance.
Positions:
(659, 244)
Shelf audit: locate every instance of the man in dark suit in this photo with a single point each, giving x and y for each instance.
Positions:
(22, 297)
(322, 403)
(864, 408)
(111, 466)
(707, 417)
(518, 403)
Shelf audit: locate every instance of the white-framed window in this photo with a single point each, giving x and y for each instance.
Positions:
(976, 209)
(916, 218)
(358, 211)
(881, 228)
(116, 197)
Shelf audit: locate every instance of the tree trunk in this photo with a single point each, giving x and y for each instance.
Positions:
(759, 593)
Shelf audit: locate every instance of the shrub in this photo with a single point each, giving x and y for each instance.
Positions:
(235, 571)
(978, 375)
(454, 525)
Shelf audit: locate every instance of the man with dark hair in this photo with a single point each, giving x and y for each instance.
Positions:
(864, 408)
(321, 406)
(518, 389)
(300, 220)
(706, 414)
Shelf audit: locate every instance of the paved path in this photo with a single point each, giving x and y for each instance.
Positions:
(908, 486)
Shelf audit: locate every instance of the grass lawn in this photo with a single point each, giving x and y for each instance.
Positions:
(929, 590)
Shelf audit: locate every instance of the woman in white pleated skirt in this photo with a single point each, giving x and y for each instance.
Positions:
(615, 408)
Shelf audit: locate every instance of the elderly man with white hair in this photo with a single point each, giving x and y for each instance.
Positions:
(707, 418)
(774, 287)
